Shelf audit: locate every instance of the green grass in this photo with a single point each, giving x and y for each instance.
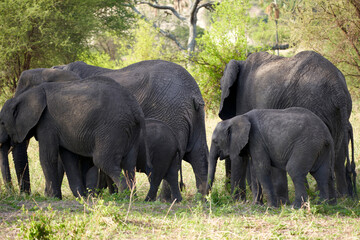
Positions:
(116, 217)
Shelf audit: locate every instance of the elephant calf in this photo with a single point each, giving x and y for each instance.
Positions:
(164, 154)
(292, 139)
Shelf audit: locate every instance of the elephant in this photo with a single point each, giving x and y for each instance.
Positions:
(308, 80)
(164, 153)
(28, 79)
(293, 139)
(164, 90)
(105, 125)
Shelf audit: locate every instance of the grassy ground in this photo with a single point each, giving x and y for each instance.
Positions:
(116, 217)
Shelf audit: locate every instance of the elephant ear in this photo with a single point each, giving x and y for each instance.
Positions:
(59, 75)
(21, 114)
(228, 83)
(239, 134)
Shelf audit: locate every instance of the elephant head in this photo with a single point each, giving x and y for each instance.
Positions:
(34, 77)
(20, 114)
(228, 139)
(27, 80)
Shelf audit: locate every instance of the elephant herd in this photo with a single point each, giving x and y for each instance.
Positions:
(280, 116)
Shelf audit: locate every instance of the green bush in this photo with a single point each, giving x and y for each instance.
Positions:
(225, 40)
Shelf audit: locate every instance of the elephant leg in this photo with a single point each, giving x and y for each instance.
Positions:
(111, 185)
(340, 173)
(322, 177)
(262, 168)
(92, 179)
(227, 174)
(279, 179)
(238, 177)
(300, 189)
(264, 177)
(198, 158)
(61, 170)
(22, 166)
(85, 164)
(49, 164)
(165, 193)
(129, 165)
(255, 187)
(323, 174)
(73, 172)
(248, 176)
(4, 165)
(332, 191)
(154, 186)
(172, 178)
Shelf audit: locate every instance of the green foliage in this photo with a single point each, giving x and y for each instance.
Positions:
(332, 29)
(50, 32)
(225, 40)
(39, 227)
(144, 43)
(100, 59)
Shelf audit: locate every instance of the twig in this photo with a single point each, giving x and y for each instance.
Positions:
(172, 204)
(131, 196)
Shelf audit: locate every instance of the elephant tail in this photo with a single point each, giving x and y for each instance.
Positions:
(350, 167)
(178, 159)
(350, 164)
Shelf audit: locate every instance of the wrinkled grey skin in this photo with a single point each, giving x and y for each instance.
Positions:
(165, 91)
(106, 124)
(294, 140)
(307, 80)
(164, 153)
(28, 79)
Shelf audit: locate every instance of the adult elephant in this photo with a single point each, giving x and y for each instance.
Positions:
(307, 80)
(28, 79)
(165, 91)
(106, 121)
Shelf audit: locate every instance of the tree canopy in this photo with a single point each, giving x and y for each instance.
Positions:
(331, 28)
(42, 33)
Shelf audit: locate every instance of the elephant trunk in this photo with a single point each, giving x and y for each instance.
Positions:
(213, 156)
(201, 175)
(4, 164)
(22, 166)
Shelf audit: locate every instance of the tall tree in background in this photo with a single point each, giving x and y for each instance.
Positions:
(42, 33)
(185, 13)
(331, 28)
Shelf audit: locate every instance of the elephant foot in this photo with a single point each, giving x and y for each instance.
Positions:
(149, 199)
(177, 199)
(283, 201)
(298, 204)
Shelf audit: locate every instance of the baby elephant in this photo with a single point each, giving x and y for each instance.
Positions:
(164, 154)
(292, 139)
